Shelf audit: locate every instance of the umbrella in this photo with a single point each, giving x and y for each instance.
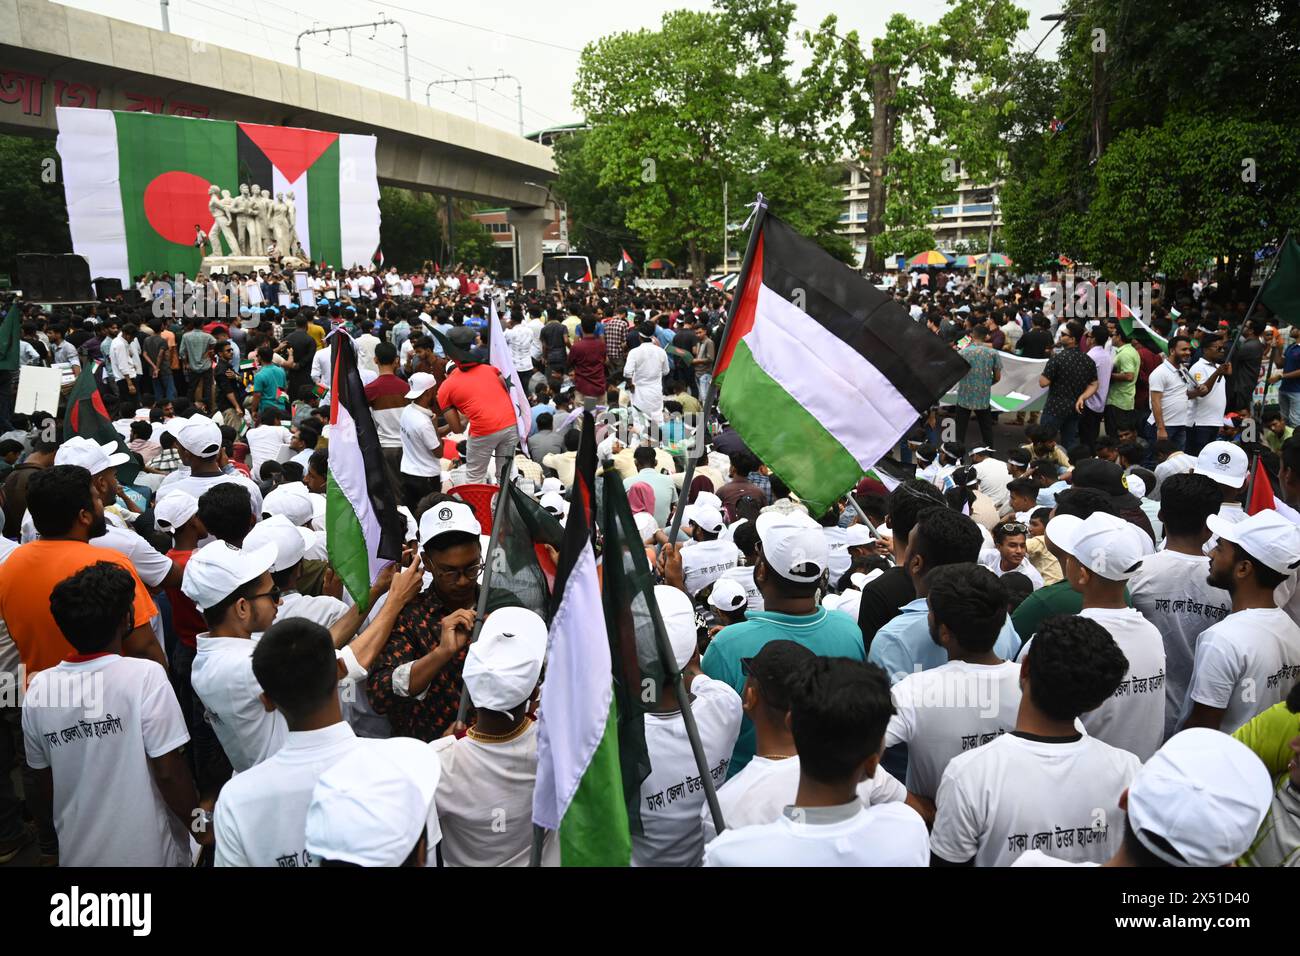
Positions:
(964, 262)
(660, 264)
(996, 259)
(932, 258)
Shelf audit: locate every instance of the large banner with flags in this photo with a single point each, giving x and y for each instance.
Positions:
(1018, 389)
(137, 185)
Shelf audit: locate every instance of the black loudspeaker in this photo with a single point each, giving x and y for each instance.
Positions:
(107, 287)
(54, 278)
(530, 282)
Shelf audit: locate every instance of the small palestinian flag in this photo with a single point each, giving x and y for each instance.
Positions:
(625, 263)
(377, 260)
(822, 372)
(137, 185)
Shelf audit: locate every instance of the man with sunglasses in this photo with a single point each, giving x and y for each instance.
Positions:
(416, 681)
(1008, 552)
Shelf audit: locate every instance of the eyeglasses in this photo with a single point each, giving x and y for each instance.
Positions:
(454, 574)
(273, 594)
(1013, 527)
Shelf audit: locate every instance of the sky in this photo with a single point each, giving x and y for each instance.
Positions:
(537, 42)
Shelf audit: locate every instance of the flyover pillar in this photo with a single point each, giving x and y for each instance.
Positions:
(530, 225)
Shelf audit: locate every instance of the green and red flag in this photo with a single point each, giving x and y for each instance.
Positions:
(87, 415)
(137, 185)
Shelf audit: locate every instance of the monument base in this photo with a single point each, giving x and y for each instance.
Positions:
(224, 265)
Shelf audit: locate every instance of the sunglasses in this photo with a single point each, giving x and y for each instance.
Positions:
(273, 594)
(1013, 527)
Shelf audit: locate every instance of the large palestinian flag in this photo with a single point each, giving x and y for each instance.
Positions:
(822, 372)
(137, 185)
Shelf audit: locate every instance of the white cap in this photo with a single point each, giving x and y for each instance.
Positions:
(678, 614)
(1136, 486)
(645, 525)
(727, 595)
(1205, 794)
(552, 485)
(553, 503)
(793, 545)
(447, 516)
(370, 808)
(420, 383)
(856, 535)
(199, 436)
(1267, 537)
(290, 542)
(707, 518)
(90, 455)
(1223, 461)
(1108, 546)
(707, 499)
(290, 503)
(174, 510)
(217, 570)
(502, 666)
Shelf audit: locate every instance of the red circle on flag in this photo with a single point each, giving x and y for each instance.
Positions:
(174, 203)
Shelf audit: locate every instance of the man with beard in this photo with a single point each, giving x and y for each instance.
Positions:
(68, 515)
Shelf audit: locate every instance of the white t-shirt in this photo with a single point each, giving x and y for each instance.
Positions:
(745, 577)
(150, 564)
(264, 444)
(889, 834)
(837, 549)
(366, 352)
(520, 339)
(994, 478)
(991, 558)
(671, 796)
(1016, 794)
(197, 484)
(765, 787)
(485, 801)
(703, 562)
(1171, 591)
(261, 815)
(1209, 409)
(222, 676)
(1039, 858)
(1133, 718)
(1245, 664)
(949, 710)
(95, 724)
(421, 446)
(320, 366)
(1171, 384)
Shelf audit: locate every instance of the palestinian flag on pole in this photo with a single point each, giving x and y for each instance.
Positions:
(499, 354)
(625, 262)
(1018, 389)
(1281, 293)
(523, 572)
(1129, 317)
(579, 788)
(87, 416)
(822, 372)
(137, 185)
(363, 529)
(377, 260)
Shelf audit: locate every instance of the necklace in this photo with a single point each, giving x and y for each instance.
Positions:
(497, 738)
(777, 756)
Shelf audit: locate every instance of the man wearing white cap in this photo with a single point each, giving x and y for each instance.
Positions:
(416, 681)
(485, 793)
(291, 545)
(1227, 464)
(1197, 802)
(708, 554)
(234, 590)
(376, 807)
(421, 435)
(1024, 789)
(1102, 553)
(670, 803)
(792, 561)
(200, 447)
(1246, 663)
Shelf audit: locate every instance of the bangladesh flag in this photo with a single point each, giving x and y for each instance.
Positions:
(137, 185)
(523, 571)
(1282, 291)
(87, 416)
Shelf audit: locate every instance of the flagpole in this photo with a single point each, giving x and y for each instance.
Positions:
(493, 538)
(863, 515)
(1258, 292)
(701, 433)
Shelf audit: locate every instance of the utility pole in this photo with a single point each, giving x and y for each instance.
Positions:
(347, 29)
(472, 80)
(725, 257)
(166, 23)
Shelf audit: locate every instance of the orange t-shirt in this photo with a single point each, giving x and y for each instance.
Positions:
(27, 579)
(477, 393)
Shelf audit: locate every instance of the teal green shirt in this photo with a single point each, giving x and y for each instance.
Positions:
(1058, 598)
(825, 633)
(267, 383)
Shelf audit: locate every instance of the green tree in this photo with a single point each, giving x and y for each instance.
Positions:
(410, 229)
(31, 193)
(597, 218)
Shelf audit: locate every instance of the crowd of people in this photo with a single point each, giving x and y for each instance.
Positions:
(1076, 647)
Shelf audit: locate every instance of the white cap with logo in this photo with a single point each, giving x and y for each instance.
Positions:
(502, 666)
(793, 545)
(370, 807)
(1267, 537)
(447, 516)
(217, 570)
(1108, 546)
(1204, 794)
(90, 455)
(1223, 461)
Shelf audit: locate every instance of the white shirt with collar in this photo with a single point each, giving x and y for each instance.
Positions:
(126, 358)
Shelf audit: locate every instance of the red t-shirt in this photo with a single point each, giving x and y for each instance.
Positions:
(186, 617)
(477, 393)
(588, 357)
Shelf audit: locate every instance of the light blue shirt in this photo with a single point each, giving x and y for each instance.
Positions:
(661, 485)
(904, 646)
(1047, 496)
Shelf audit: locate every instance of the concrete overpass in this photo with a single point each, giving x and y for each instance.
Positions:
(53, 55)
